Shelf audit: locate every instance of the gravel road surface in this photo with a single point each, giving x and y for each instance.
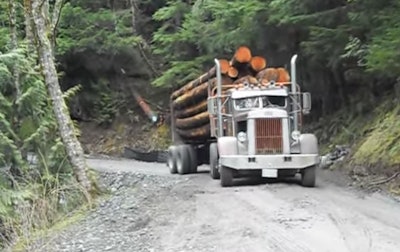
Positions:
(151, 210)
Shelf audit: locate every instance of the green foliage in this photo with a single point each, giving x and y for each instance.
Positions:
(28, 125)
(191, 35)
(101, 31)
(384, 54)
(107, 105)
(378, 36)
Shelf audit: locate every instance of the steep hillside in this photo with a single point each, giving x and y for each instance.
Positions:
(373, 138)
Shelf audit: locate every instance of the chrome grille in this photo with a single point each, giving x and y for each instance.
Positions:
(269, 136)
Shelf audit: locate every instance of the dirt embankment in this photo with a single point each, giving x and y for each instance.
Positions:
(112, 140)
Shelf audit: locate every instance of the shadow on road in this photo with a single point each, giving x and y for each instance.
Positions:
(246, 181)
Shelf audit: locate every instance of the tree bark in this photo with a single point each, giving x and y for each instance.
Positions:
(55, 18)
(142, 42)
(65, 125)
(28, 25)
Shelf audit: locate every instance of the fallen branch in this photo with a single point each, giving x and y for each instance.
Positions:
(384, 181)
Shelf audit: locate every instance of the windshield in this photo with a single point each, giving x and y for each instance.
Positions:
(260, 102)
(274, 101)
(247, 103)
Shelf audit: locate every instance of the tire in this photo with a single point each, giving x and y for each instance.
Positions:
(308, 176)
(192, 159)
(182, 160)
(214, 173)
(226, 176)
(171, 160)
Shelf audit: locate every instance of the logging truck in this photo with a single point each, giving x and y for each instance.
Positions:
(248, 127)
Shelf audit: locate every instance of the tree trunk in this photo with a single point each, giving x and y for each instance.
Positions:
(65, 125)
(29, 37)
(142, 42)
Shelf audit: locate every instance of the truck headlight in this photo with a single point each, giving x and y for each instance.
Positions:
(296, 135)
(242, 136)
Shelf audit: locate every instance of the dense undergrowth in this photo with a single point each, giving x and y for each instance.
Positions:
(37, 186)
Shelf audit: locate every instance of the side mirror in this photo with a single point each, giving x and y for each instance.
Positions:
(306, 103)
(211, 106)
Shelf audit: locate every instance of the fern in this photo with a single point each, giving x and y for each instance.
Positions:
(27, 124)
(72, 92)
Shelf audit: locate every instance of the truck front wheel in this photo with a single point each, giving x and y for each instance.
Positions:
(226, 176)
(214, 173)
(183, 160)
(308, 176)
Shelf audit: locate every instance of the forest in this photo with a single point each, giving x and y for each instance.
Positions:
(95, 54)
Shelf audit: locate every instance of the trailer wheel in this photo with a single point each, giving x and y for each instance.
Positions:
(226, 176)
(171, 160)
(192, 159)
(214, 173)
(182, 160)
(308, 176)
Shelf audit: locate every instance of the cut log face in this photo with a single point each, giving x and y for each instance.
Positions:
(283, 75)
(268, 74)
(242, 55)
(258, 63)
(233, 72)
(224, 66)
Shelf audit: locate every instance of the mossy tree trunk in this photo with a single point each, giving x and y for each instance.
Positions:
(28, 25)
(43, 29)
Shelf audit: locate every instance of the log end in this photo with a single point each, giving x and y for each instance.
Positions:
(224, 65)
(268, 74)
(283, 75)
(243, 54)
(233, 72)
(258, 63)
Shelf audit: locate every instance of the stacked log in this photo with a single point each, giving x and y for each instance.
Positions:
(189, 103)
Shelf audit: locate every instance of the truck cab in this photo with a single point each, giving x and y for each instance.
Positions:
(257, 128)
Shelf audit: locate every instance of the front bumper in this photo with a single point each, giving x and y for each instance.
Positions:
(290, 161)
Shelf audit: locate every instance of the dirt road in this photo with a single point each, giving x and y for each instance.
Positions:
(202, 216)
(193, 213)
